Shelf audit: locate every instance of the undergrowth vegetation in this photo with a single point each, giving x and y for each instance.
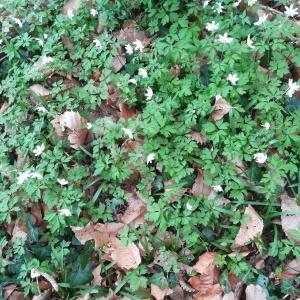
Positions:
(149, 149)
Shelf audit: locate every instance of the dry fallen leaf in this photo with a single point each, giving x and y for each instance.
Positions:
(199, 188)
(198, 137)
(250, 229)
(221, 108)
(229, 296)
(18, 295)
(205, 262)
(19, 231)
(126, 112)
(255, 292)
(213, 293)
(8, 290)
(72, 5)
(97, 277)
(126, 257)
(159, 294)
(291, 270)
(5, 105)
(39, 90)
(73, 124)
(134, 214)
(100, 233)
(290, 218)
(118, 63)
(130, 33)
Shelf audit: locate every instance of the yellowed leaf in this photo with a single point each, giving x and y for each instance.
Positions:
(159, 294)
(290, 218)
(100, 233)
(250, 229)
(221, 108)
(255, 292)
(126, 257)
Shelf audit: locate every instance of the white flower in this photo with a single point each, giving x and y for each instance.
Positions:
(65, 212)
(132, 80)
(62, 181)
(233, 78)
(89, 125)
(18, 22)
(93, 12)
(250, 42)
(260, 157)
(237, 3)
(213, 26)
(129, 49)
(36, 175)
(149, 93)
(225, 39)
(266, 125)
(189, 206)
(23, 176)
(41, 43)
(138, 45)
(217, 188)
(150, 158)
(128, 132)
(47, 59)
(261, 20)
(45, 36)
(42, 109)
(219, 8)
(143, 73)
(219, 97)
(1, 41)
(38, 150)
(293, 87)
(70, 13)
(291, 12)
(97, 43)
(34, 273)
(251, 2)
(205, 3)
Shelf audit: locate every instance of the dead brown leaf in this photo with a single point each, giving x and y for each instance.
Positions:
(213, 293)
(229, 296)
(198, 137)
(134, 214)
(130, 33)
(21, 158)
(291, 270)
(68, 43)
(39, 90)
(126, 112)
(8, 290)
(18, 295)
(97, 276)
(73, 124)
(101, 233)
(72, 5)
(290, 218)
(221, 108)
(19, 231)
(175, 192)
(199, 187)
(250, 229)
(5, 105)
(205, 263)
(126, 257)
(43, 296)
(159, 294)
(255, 292)
(118, 63)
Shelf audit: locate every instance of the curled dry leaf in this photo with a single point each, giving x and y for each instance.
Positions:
(290, 218)
(221, 108)
(250, 229)
(159, 294)
(199, 188)
(101, 233)
(198, 137)
(291, 270)
(134, 214)
(39, 90)
(255, 292)
(97, 277)
(205, 263)
(73, 123)
(126, 257)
